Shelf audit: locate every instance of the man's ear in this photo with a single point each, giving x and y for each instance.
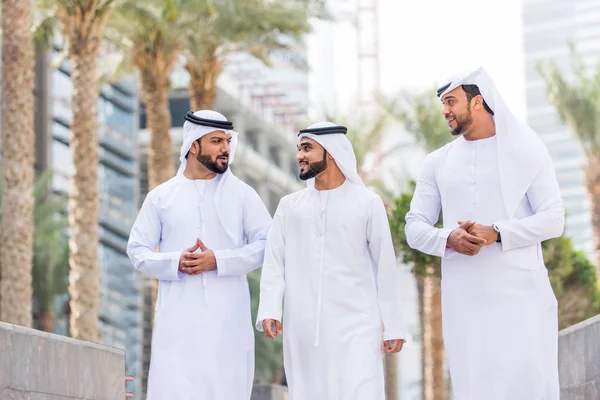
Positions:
(478, 102)
(195, 148)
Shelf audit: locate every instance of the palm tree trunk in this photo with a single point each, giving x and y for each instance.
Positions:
(592, 178)
(391, 377)
(46, 320)
(155, 94)
(83, 201)
(18, 143)
(203, 82)
(426, 359)
(278, 375)
(432, 341)
(437, 339)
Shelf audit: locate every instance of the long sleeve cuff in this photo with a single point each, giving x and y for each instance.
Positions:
(262, 315)
(394, 334)
(504, 239)
(222, 258)
(161, 266)
(173, 271)
(444, 251)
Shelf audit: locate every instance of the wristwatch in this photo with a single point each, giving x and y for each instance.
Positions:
(497, 230)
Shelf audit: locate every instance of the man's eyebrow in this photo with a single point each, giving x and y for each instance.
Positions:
(448, 98)
(218, 137)
(305, 144)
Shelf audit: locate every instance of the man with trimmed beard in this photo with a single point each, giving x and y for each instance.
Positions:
(211, 230)
(497, 190)
(329, 254)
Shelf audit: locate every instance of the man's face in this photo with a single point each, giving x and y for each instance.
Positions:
(457, 111)
(212, 151)
(311, 157)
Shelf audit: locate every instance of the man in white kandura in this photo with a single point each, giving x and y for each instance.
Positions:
(211, 230)
(497, 190)
(329, 254)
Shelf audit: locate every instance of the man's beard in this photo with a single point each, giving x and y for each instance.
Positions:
(211, 165)
(463, 123)
(314, 168)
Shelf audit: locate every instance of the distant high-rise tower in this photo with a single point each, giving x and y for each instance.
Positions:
(549, 27)
(368, 52)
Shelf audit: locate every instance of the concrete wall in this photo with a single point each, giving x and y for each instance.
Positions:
(269, 392)
(579, 361)
(36, 365)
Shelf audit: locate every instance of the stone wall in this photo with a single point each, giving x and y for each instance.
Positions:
(579, 361)
(36, 365)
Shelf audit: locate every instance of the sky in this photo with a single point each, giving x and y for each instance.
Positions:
(421, 43)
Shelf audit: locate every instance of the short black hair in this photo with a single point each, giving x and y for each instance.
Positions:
(472, 91)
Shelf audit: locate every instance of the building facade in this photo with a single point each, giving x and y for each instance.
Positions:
(550, 26)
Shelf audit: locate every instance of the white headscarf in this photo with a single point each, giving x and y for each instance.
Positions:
(227, 189)
(520, 150)
(340, 148)
(193, 132)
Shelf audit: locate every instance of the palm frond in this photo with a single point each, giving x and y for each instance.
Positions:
(420, 115)
(44, 30)
(365, 134)
(576, 99)
(254, 26)
(50, 266)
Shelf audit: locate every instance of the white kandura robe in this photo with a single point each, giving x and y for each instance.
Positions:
(499, 312)
(330, 256)
(203, 342)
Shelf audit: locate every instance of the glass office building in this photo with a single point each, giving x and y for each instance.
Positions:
(549, 27)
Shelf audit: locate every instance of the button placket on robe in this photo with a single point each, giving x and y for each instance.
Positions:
(475, 151)
(324, 197)
(201, 228)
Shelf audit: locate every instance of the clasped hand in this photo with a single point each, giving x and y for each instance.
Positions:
(195, 263)
(470, 237)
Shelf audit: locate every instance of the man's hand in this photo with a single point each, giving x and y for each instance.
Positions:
(195, 263)
(271, 328)
(186, 254)
(464, 242)
(393, 346)
(481, 231)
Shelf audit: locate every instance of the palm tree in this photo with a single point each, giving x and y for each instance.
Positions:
(16, 231)
(50, 250)
(268, 352)
(577, 102)
(254, 26)
(421, 117)
(83, 23)
(573, 279)
(150, 32)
